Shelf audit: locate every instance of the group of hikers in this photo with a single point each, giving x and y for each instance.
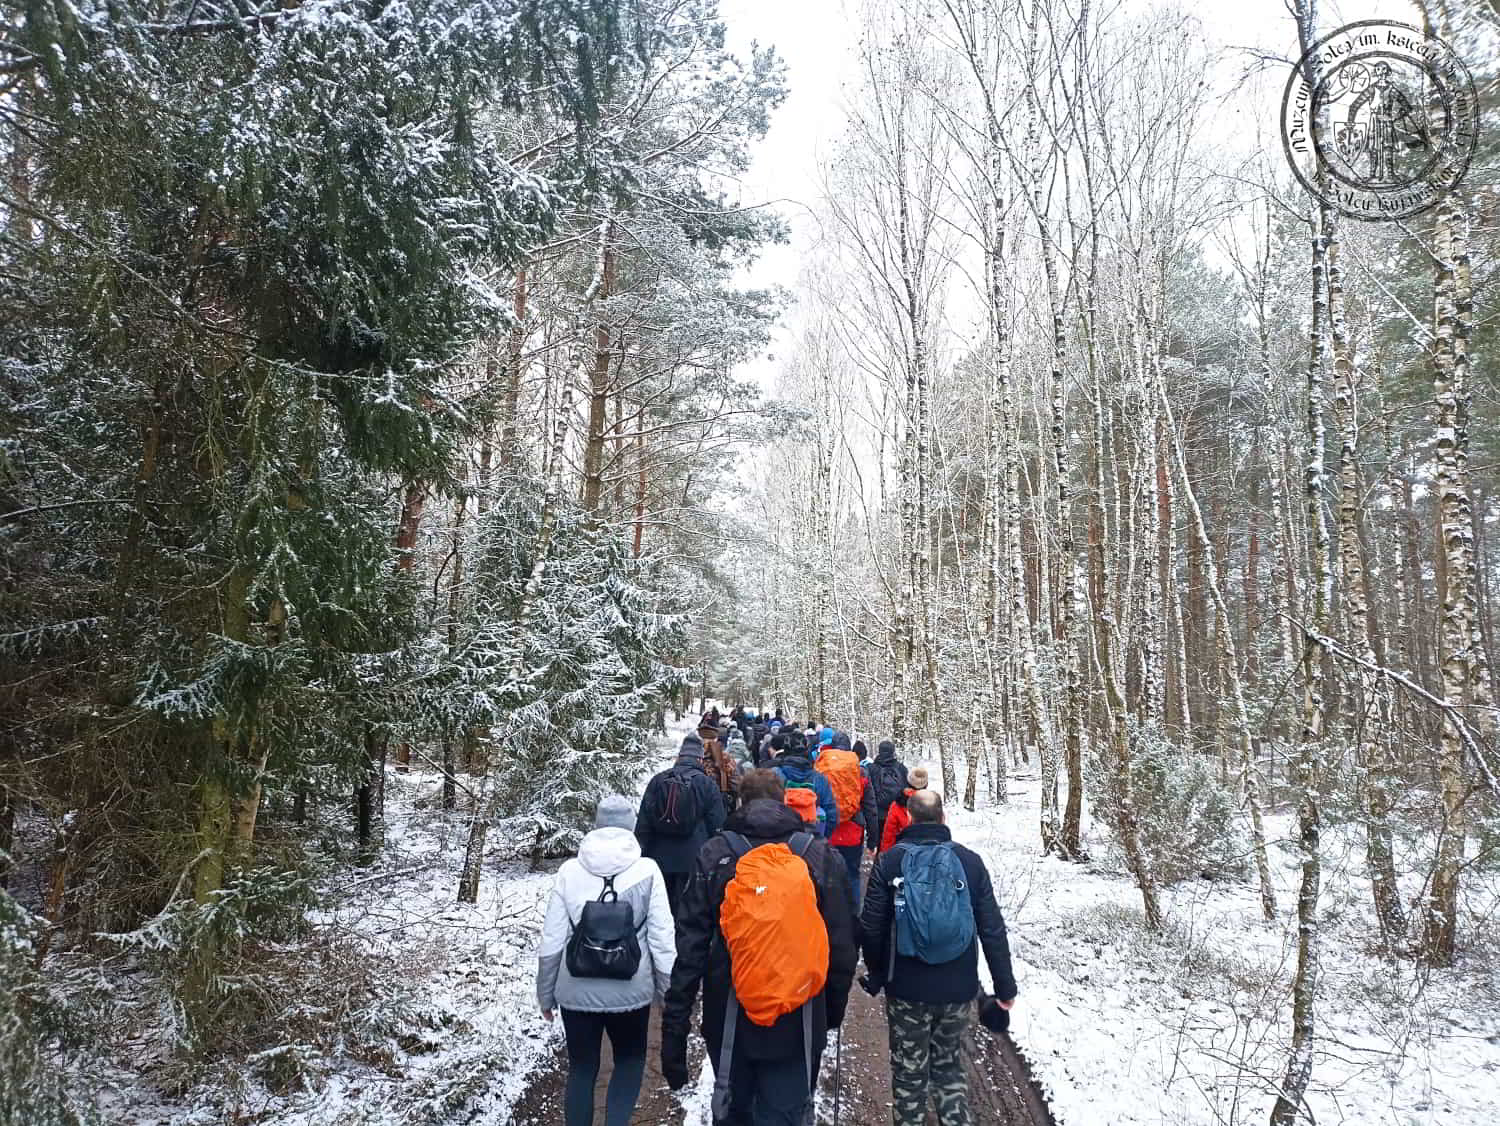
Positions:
(740, 875)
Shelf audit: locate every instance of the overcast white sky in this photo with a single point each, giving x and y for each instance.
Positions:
(816, 38)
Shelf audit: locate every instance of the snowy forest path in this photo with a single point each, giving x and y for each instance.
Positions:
(1001, 1091)
(542, 1105)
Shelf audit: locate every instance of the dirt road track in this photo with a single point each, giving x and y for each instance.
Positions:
(1001, 1092)
(542, 1103)
(1001, 1089)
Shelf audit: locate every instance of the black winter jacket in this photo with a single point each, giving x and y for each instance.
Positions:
(885, 758)
(703, 958)
(912, 979)
(674, 853)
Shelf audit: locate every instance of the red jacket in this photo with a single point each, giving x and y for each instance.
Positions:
(896, 819)
(853, 832)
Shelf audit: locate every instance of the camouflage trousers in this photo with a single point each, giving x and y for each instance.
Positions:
(927, 1060)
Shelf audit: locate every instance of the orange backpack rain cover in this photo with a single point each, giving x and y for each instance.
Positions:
(805, 802)
(778, 946)
(841, 768)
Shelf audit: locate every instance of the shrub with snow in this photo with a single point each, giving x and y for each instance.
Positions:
(1188, 822)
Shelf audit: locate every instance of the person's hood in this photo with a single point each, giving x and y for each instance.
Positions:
(766, 819)
(608, 852)
(825, 737)
(691, 746)
(735, 736)
(840, 741)
(797, 765)
(886, 751)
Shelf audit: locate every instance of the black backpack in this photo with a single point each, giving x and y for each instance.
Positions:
(678, 810)
(888, 778)
(604, 943)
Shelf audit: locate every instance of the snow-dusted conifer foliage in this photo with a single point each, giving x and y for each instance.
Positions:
(273, 283)
(31, 1090)
(594, 650)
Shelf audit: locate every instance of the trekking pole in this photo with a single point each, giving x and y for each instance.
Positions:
(838, 1060)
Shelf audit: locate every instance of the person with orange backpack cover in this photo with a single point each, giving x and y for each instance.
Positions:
(855, 799)
(766, 931)
(794, 767)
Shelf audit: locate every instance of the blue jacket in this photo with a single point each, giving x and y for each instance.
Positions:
(799, 768)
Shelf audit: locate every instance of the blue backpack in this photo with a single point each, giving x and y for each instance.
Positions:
(934, 914)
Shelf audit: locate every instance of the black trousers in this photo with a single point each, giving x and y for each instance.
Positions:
(767, 1092)
(627, 1041)
(676, 884)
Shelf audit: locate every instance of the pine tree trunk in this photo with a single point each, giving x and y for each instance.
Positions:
(599, 388)
(487, 801)
(369, 799)
(640, 494)
(407, 530)
(7, 835)
(508, 418)
(490, 795)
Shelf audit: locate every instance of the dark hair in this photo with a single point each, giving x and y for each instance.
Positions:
(762, 784)
(860, 749)
(778, 742)
(925, 807)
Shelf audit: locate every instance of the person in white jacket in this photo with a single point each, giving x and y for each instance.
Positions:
(594, 1006)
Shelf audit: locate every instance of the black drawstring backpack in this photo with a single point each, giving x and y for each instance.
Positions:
(604, 943)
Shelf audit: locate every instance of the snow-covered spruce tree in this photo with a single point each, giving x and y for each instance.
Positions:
(31, 1087)
(588, 639)
(255, 253)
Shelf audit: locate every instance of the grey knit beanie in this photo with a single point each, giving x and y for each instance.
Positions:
(615, 812)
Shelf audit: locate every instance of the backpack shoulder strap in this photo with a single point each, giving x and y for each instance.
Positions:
(609, 888)
(737, 842)
(799, 843)
(898, 852)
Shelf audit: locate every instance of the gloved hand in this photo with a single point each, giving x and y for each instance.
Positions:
(674, 1067)
(836, 1011)
(993, 1014)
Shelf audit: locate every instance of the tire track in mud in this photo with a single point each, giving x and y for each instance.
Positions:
(1001, 1089)
(542, 1104)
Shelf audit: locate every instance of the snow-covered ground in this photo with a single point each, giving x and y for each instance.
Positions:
(451, 1033)
(1191, 1027)
(1124, 1028)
